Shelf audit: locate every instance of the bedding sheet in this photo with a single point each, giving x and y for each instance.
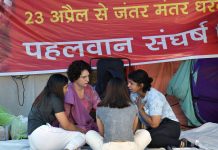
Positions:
(205, 136)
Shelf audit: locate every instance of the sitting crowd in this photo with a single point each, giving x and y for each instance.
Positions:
(70, 115)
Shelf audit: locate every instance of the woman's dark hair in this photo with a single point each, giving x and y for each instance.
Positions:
(140, 76)
(116, 95)
(54, 86)
(75, 69)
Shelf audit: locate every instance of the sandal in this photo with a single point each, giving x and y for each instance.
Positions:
(186, 143)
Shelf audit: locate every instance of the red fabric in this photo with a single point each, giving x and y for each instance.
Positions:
(161, 73)
(30, 22)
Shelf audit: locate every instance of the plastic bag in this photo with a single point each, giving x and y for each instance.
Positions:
(5, 117)
(2, 109)
(19, 128)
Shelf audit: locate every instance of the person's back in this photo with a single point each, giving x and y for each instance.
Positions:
(117, 122)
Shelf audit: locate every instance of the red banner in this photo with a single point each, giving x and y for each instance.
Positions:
(46, 36)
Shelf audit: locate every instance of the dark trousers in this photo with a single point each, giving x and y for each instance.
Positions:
(167, 134)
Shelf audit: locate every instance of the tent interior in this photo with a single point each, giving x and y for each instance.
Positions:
(17, 94)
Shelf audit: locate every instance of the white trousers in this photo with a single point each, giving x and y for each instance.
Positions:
(47, 137)
(141, 139)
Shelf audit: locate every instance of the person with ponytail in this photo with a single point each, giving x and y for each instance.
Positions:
(155, 112)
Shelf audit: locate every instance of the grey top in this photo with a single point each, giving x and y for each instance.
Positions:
(118, 123)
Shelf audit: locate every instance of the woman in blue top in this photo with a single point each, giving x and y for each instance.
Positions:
(155, 112)
(117, 121)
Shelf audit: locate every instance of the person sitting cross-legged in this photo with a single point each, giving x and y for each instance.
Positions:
(117, 121)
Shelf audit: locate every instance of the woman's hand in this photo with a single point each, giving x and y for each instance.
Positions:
(81, 130)
(139, 103)
(66, 124)
(154, 120)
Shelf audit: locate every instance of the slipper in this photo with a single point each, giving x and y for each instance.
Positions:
(186, 143)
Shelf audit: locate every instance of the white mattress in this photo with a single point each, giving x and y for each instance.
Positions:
(14, 145)
(206, 137)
